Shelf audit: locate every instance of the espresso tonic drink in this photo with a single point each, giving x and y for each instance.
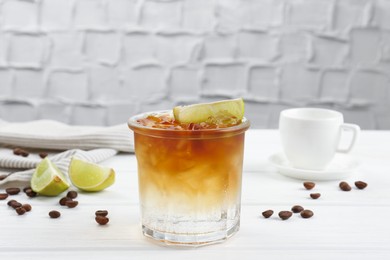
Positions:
(189, 178)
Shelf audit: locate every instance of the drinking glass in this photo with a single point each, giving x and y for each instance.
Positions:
(189, 182)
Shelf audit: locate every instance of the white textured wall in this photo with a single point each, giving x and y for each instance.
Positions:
(100, 61)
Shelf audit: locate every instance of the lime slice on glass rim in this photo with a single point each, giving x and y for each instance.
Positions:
(206, 112)
(48, 180)
(89, 176)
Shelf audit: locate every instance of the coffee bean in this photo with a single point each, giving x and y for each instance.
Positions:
(64, 200)
(30, 193)
(72, 194)
(14, 204)
(315, 195)
(20, 210)
(12, 191)
(2, 177)
(344, 186)
(26, 188)
(43, 155)
(20, 151)
(102, 213)
(360, 185)
(17, 151)
(285, 215)
(307, 213)
(3, 196)
(267, 213)
(309, 185)
(102, 220)
(296, 209)
(54, 214)
(10, 202)
(71, 203)
(27, 207)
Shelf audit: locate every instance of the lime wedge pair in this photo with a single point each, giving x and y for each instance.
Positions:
(48, 180)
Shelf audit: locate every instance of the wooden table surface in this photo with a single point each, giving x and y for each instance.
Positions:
(345, 225)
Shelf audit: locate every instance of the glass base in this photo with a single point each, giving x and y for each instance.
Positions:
(191, 240)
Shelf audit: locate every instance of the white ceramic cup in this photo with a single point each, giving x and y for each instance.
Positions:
(311, 136)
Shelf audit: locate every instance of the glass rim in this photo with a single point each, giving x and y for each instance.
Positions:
(201, 133)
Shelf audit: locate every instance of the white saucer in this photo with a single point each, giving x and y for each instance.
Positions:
(341, 167)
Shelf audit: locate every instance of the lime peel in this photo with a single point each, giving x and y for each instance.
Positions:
(89, 176)
(214, 111)
(48, 180)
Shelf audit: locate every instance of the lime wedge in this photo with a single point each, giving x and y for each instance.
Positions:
(89, 176)
(48, 180)
(206, 112)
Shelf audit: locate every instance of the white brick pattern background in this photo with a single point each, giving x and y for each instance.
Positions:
(97, 62)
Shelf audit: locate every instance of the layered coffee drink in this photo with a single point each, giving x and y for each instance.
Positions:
(189, 177)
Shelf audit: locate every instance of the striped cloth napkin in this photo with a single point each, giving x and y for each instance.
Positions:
(89, 143)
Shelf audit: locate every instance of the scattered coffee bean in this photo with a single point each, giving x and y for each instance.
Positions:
(20, 210)
(27, 207)
(344, 186)
(12, 191)
(71, 203)
(30, 193)
(309, 185)
(20, 151)
(64, 200)
(43, 155)
(307, 213)
(14, 204)
(315, 195)
(285, 215)
(103, 213)
(3, 196)
(72, 194)
(10, 202)
(2, 177)
(296, 209)
(102, 220)
(360, 185)
(54, 214)
(267, 213)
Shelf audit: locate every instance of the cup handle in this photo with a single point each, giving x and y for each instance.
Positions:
(355, 133)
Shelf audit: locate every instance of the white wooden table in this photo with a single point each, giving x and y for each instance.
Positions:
(346, 225)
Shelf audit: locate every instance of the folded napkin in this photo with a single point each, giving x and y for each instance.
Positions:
(89, 143)
(49, 134)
